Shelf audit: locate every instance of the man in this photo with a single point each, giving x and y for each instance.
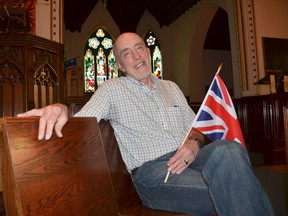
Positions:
(150, 118)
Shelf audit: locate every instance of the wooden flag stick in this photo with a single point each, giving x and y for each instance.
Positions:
(168, 173)
(219, 68)
(185, 139)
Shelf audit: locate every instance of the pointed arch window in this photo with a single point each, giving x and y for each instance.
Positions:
(99, 60)
(153, 44)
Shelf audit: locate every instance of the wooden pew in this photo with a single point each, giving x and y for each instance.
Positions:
(79, 174)
(66, 176)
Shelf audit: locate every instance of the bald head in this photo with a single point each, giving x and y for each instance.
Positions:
(124, 40)
(133, 57)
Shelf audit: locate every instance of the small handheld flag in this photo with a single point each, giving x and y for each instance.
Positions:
(216, 117)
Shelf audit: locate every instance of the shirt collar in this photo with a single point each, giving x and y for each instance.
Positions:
(154, 78)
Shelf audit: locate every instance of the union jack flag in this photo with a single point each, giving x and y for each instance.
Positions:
(216, 117)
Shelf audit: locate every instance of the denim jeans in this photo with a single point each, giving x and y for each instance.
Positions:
(220, 181)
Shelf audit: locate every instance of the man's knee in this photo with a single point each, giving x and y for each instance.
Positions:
(225, 149)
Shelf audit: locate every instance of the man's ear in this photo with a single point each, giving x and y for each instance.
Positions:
(148, 50)
(120, 66)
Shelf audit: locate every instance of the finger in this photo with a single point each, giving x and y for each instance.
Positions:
(33, 112)
(49, 128)
(46, 124)
(177, 166)
(177, 156)
(58, 117)
(59, 126)
(173, 159)
(181, 169)
(42, 128)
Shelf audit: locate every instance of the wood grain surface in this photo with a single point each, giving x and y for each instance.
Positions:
(67, 176)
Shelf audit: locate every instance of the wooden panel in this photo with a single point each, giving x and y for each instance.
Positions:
(8, 98)
(285, 114)
(67, 176)
(18, 99)
(74, 82)
(22, 57)
(261, 119)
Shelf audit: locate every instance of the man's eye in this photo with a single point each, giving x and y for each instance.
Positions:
(126, 54)
(139, 47)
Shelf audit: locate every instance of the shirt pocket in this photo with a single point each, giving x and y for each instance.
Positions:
(173, 118)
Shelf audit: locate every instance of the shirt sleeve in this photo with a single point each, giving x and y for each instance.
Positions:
(99, 104)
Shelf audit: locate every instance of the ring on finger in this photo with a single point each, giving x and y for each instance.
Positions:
(186, 161)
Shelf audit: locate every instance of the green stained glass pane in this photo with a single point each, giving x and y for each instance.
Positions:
(112, 68)
(89, 71)
(157, 62)
(101, 66)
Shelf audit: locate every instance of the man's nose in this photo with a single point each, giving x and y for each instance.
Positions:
(136, 54)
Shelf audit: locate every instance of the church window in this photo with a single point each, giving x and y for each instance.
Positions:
(99, 60)
(153, 44)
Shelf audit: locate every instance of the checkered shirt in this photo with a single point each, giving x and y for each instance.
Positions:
(148, 123)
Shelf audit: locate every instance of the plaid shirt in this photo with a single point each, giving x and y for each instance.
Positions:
(148, 123)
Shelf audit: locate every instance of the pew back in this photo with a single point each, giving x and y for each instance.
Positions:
(67, 176)
(80, 174)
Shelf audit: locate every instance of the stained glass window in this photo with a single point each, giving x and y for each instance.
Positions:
(99, 60)
(156, 57)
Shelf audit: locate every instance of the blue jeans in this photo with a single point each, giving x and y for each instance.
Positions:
(220, 181)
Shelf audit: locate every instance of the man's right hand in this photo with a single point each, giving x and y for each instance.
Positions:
(54, 116)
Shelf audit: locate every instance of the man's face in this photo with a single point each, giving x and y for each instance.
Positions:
(133, 57)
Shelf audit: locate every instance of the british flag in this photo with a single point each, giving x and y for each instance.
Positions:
(216, 117)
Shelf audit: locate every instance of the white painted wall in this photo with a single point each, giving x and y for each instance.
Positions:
(271, 20)
(49, 19)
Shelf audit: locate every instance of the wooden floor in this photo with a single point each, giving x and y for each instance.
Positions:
(274, 179)
(281, 168)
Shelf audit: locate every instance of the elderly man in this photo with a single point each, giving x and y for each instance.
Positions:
(150, 118)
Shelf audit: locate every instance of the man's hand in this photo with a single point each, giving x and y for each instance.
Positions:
(183, 157)
(51, 117)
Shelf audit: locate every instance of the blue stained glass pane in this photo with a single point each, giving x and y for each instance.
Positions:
(151, 40)
(107, 43)
(93, 42)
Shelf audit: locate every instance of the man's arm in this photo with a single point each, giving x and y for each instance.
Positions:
(197, 136)
(51, 117)
(187, 153)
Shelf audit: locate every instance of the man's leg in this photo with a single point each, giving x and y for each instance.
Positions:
(226, 170)
(233, 187)
(185, 193)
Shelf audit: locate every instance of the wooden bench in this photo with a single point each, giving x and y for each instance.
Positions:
(79, 174)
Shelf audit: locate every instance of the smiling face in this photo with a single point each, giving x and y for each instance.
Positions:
(133, 57)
